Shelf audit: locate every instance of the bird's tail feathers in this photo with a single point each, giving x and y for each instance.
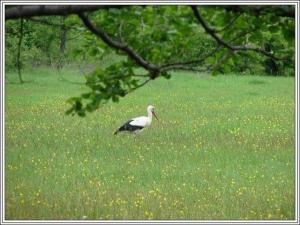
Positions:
(116, 132)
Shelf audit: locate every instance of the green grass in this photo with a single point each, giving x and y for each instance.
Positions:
(224, 150)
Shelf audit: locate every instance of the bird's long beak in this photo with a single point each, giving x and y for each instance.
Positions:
(155, 116)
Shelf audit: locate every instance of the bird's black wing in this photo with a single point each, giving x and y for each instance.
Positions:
(128, 127)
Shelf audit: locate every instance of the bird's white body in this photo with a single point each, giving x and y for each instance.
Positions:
(143, 121)
(137, 124)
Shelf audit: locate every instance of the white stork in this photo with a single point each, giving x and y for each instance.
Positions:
(137, 124)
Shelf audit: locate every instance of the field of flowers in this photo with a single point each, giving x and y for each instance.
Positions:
(224, 149)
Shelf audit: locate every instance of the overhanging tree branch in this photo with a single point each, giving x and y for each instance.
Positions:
(138, 86)
(212, 32)
(181, 65)
(118, 45)
(218, 64)
(278, 10)
(152, 68)
(231, 22)
(44, 10)
(45, 22)
(29, 11)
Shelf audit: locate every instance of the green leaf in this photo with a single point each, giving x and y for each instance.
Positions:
(81, 113)
(69, 111)
(73, 99)
(230, 61)
(86, 95)
(115, 99)
(289, 34)
(77, 51)
(215, 73)
(273, 29)
(93, 52)
(166, 75)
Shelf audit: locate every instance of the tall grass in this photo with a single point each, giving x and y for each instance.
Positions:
(224, 149)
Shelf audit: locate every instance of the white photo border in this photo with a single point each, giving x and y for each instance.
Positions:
(130, 2)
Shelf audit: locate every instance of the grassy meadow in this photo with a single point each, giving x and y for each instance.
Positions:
(224, 149)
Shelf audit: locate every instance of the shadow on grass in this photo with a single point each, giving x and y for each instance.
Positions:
(255, 82)
(18, 82)
(70, 82)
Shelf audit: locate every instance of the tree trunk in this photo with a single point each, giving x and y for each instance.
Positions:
(19, 51)
(47, 50)
(62, 45)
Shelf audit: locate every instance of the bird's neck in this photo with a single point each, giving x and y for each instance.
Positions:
(150, 115)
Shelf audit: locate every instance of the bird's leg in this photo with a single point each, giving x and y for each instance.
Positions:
(136, 134)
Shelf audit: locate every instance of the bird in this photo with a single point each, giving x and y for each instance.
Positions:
(136, 125)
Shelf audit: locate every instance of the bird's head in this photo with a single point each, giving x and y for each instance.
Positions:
(150, 110)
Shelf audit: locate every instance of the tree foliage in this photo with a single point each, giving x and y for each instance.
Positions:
(153, 40)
